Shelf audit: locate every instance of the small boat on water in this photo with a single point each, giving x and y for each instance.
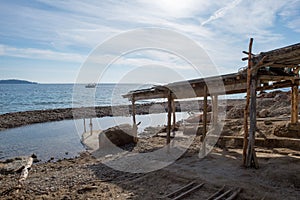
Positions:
(90, 85)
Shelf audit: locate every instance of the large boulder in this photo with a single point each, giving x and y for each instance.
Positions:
(118, 135)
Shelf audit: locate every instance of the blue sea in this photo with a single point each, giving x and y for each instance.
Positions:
(56, 139)
(25, 97)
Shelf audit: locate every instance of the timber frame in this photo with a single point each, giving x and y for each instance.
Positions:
(274, 69)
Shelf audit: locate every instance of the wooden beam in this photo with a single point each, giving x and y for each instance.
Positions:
(91, 126)
(246, 111)
(169, 117)
(294, 99)
(173, 114)
(215, 110)
(251, 159)
(204, 121)
(134, 126)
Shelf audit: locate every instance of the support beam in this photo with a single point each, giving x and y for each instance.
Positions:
(84, 125)
(204, 119)
(215, 110)
(251, 159)
(294, 99)
(169, 117)
(91, 126)
(134, 126)
(173, 114)
(246, 111)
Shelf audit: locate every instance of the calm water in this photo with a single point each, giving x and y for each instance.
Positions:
(15, 98)
(55, 139)
(62, 139)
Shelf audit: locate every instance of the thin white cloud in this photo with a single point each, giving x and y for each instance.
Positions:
(221, 12)
(40, 54)
(222, 28)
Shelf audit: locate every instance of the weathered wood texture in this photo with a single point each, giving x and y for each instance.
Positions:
(294, 99)
(251, 155)
(169, 117)
(246, 111)
(215, 110)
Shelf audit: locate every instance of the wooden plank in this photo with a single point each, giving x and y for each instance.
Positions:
(246, 110)
(180, 189)
(223, 195)
(216, 193)
(234, 195)
(189, 191)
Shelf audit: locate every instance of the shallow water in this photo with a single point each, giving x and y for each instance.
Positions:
(62, 139)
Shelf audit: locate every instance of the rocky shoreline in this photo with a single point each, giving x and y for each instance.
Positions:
(87, 177)
(17, 119)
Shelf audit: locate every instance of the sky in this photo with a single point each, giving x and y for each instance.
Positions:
(50, 41)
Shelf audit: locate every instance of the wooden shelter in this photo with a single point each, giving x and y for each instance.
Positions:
(274, 69)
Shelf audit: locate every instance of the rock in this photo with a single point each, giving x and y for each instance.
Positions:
(281, 97)
(118, 135)
(236, 112)
(263, 113)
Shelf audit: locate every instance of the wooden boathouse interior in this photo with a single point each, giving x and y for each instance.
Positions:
(270, 70)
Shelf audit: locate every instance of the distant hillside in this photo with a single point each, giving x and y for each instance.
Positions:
(15, 81)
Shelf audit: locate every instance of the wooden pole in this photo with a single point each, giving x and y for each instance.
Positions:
(134, 126)
(251, 155)
(204, 120)
(215, 109)
(294, 99)
(91, 126)
(246, 111)
(174, 114)
(204, 113)
(169, 117)
(84, 125)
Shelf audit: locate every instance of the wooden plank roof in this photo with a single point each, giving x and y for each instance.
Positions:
(286, 57)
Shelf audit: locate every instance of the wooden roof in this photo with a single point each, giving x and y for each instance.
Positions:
(272, 69)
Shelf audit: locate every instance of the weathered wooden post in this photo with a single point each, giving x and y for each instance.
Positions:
(294, 99)
(251, 154)
(204, 120)
(173, 114)
(215, 109)
(84, 125)
(169, 116)
(246, 111)
(134, 126)
(91, 126)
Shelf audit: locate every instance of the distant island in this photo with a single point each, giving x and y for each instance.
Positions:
(16, 81)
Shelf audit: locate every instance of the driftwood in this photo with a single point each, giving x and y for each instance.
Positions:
(24, 173)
